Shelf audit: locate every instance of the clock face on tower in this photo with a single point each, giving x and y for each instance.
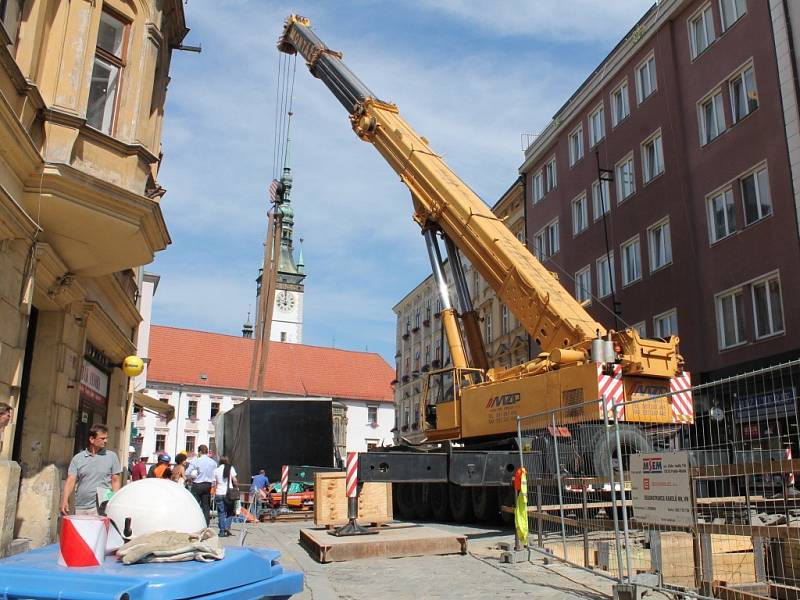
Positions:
(284, 300)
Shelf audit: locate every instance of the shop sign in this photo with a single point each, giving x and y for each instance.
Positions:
(661, 488)
(766, 405)
(94, 385)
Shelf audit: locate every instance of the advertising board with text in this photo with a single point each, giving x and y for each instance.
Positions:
(661, 488)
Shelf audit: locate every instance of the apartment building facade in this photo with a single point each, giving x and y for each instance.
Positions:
(665, 190)
(82, 92)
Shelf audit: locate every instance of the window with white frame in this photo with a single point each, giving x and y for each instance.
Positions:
(601, 198)
(189, 444)
(583, 285)
(546, 242)
(744, 94)
(538, 187)
(731, 11)
(539, 245)
(626, 178)
(551, 177)
(605, 275)
(552, 238)
(641, 329)
(755, 196)
(666, 324)
(767, 306)
(659, 245)
(729, 308)
(721, 215)
(711, 118)
(576, 145)
(580, 214)
(620, 105)
(646, 82)
(701, 30)
(372, 415)
(106, 73)
(487, 324)
(597, 126)
(503, 319)
(631, 261)
(652, 158)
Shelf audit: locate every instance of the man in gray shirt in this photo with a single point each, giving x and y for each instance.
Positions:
(90, 469)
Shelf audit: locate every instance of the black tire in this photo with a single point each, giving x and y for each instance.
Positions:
(420, 493)
(484, 504)
(461, 504)
(506, 497)
(405, 500)
(632, 440)
(439, 496)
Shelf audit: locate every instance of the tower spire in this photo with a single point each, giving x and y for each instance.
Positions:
(287, 269)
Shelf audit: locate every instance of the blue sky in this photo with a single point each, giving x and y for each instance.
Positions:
(469, 79)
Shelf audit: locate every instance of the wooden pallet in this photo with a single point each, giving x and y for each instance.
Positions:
(393, 541)
(330, 501)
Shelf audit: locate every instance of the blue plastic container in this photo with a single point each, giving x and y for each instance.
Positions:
(244, 574)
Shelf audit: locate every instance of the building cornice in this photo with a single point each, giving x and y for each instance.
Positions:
(105, 333)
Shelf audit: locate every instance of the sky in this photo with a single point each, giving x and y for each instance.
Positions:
(470, 79)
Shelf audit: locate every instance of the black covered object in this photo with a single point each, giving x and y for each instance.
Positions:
(267, 434)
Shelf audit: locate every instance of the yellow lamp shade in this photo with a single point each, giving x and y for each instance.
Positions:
(132, 366)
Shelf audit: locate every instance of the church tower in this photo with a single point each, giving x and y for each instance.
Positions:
(287, 315)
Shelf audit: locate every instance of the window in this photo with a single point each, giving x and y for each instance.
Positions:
(660, 245)
(605, 275)
(416, 360)
(701, 30)
(576, 145)
(372, 415)
(552, 237)
(580, 215)
(721, 215)
(487, 323)
(538, 187)
(601, 198)
(641, 329)
(597, 126)
(767, 306)
(666, 324)
(546, 241)
(212, 446)
(106, 73)
(731, 11)
(631, 261)
(371, 444)
(620, 107)
(189, 445)
(192, 414)
(755, 196)
(416, 318)
(711, 117)
(652, 158)
(161, 442)
(503, 319)
(551, 179)
(214, 409)
(626, 182)
(10, 11)
(744, 94)
(646, 82)
(283, 336)
(583, 285)
(730, 318)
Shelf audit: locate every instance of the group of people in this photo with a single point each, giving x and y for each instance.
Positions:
(96, 467)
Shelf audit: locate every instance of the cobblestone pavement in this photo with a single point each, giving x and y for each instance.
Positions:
(479, 574)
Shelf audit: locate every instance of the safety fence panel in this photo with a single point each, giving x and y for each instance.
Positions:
(706, 504)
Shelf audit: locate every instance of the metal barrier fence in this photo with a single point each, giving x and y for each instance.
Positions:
(702, 502)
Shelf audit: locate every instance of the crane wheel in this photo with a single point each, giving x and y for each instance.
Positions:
(420, 493)
(461, 504)
(404, 500)
(439, 496)
(484, 504)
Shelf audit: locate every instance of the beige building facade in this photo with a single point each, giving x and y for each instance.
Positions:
(421, 345)
(82, 89)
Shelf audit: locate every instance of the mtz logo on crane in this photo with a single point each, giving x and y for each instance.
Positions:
(504, 400)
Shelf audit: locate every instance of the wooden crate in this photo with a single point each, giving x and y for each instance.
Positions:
(330, 502)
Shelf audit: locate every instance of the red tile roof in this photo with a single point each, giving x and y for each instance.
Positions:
(181, 355)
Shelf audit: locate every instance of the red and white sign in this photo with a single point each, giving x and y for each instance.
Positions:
(351, 478)
(94, 384)
(682, 403)
(612, 391)
(83, 541)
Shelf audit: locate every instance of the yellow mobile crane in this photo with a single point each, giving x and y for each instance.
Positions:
(474, 407)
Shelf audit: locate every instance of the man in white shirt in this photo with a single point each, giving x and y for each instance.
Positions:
(201, 473)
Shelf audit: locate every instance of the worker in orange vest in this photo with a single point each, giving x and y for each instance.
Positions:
(161, 469)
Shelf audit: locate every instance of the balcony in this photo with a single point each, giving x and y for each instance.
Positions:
(406, 335)
(426, 323)
(436, 363)
(405, 378)
(426, 368)
(415, 329)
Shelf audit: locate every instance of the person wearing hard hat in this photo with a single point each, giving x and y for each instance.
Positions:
(90, 469)
(161, 469)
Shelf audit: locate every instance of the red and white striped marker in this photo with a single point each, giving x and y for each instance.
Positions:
(351, 478)
(285, 478)
(83, 541)
(789, 457)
